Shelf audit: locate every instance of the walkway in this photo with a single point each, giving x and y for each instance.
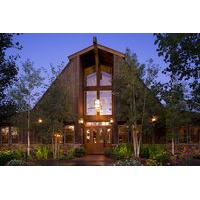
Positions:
(89, 160)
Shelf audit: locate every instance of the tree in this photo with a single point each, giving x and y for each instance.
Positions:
(132, 86)
(8, 73)
(25, 93)
(173, 95)
(182, 53)
(55, 109)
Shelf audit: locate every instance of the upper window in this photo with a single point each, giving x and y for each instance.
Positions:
(106, 102)
(91, 96)
(106, 76)
(90, 76)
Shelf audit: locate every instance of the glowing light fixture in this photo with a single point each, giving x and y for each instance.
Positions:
(40, 120)
(111, 120)
(71, 127)
(154, 119)
(80, 121)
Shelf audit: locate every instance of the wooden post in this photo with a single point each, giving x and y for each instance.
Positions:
(9, 136)
(0, 137)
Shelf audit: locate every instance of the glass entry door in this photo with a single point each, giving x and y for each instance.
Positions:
(96, 139)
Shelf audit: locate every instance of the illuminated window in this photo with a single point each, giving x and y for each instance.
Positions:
(4, 133)
(106, 102)
(91, 96)
(14, 134)
(90, 76)
(106, 77)
(69, 134)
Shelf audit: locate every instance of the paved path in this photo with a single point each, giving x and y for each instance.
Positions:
(89, 160)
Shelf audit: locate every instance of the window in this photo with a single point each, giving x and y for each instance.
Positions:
(91, 96)
(106, 77)
(4, 133)
(69, 134)
(123, 134)
(106, 102)
(14, 134)
(90, 76)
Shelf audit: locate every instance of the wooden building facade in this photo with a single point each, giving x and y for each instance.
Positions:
(88, 79)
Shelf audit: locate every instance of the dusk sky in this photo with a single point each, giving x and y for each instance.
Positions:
(46, 49)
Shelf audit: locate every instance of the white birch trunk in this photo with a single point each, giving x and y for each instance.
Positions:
(173, 146)
(136, 142)
(28, 135)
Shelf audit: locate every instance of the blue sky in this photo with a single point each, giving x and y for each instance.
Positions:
(46, 49)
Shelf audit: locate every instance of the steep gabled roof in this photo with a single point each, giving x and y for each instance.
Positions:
(104, 48)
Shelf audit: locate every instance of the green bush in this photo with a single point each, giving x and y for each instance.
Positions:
(6, 156)
(19, 154)
(127, 162)
(42, 152)
(79, 152)
(144, 152)
(124, 150)
(121, 151)
(17, 163)
(159, 154)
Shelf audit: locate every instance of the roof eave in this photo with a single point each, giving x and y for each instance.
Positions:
(120, 54)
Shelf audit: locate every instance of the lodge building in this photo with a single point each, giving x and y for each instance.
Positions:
(88, 77)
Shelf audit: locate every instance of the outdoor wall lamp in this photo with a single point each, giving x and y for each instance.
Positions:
(40, 121)
(71, 127)
(111, 121)
(80, 121)
(154, 119)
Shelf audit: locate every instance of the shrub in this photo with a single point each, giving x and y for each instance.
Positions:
(42, 152)
(151, 162)
(79, 152)
(144, 152)
(159, 153)
(17, 163)
(6, 156)
(128, 162)
(162, 158)
(70, 154)
(19, 154)
(121, 151)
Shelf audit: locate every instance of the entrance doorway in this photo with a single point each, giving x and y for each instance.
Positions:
(97, 138)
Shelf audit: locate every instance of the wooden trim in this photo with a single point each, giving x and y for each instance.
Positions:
(104, 48)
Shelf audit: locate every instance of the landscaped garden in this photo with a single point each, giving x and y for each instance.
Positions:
(119, 155)
(39, 154)
(154, 155)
